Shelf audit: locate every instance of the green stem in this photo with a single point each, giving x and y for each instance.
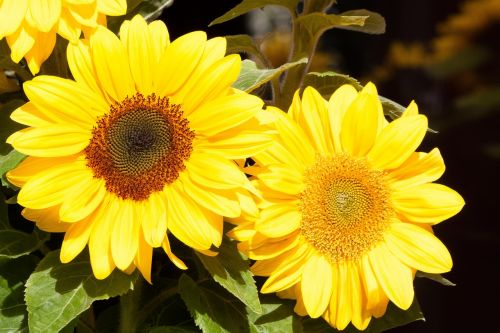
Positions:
(129, 309)
(153, 304)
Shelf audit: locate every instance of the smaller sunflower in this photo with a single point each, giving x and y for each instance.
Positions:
(347, 207)
(30, 26)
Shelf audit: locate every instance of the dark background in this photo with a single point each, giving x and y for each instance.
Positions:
(473, 236)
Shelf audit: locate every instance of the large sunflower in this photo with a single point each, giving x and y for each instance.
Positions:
(347, 207)
(139, 143)
(31, 25)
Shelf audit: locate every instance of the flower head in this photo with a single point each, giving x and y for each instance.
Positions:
(347, 207)
(141, 142)
(30, 26)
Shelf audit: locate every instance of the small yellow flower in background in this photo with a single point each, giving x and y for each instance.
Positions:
(30, 26)
(347, 207)
(140, 143)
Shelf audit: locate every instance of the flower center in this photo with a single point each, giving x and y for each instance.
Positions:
(345, 207)
(140, 146)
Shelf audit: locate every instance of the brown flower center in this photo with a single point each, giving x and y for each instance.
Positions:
(345, 207)
(140, 146)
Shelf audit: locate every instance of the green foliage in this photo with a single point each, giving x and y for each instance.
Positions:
(214, 310)
(13, 275)
(9, 162)
(57, 293)
(327, 82)
(374, 23)
(171, 329)
(393, 317)
(149, 9)
(317, 23)
(252, 77)
(15, 243)
(244, 44)
(436, 277)
(247, 5)
(231, 270)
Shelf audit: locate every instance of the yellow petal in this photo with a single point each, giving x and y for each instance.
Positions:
(214, 82)
(313, 118)
(186, 221)
(12, 13)
(316, 285)
(419, 168)
(159, 33)
(398, 141)
(214, 171)
(144, 257)
(68, 27)
(394, 277)
(111, 64)
(283, 179)
(21, 41)
(75, 239)
(51, 141)
(285, 277)
(50, 187)
(360, 125)
(215, 49)
(173, 258)
(112, 7)
(411, 110)
(218, 201)
(83, 200)
(31, 166)
(138, 43)
(44, 44)
(224, 113)
(338, 104)
(427, 203)
(125, 234)
(28, 114)
(178, 62)
(43, 14)
(278, 220)
(65, 101)
(270, 249)
(418, 248)
(154, 219)
(372, 289)
(99, 241)
(344, 296)
(360, 317)
(85, 13)
(80, 64)
(46, 219)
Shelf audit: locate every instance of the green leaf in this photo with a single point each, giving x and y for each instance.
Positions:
(374, 24)
(326, 83)
(247, 5)
(57, 293)
(149, 9)
(8, 126)
(317, 23)
(393, 317)
(215, 310)
(311, 6)
(9, 162)
(436, 277)
(230, 269)
(171, 329)
(244, 44)
(4, 215)
(252, 77)
(13, 275)
(15, 243)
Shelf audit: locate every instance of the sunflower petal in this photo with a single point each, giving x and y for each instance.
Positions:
(316, 285)
(124, 235)
(75, 239)
(418, 248)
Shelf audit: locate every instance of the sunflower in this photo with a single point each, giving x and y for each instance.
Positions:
(141, 142)
(347, 207)
(31, 25)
